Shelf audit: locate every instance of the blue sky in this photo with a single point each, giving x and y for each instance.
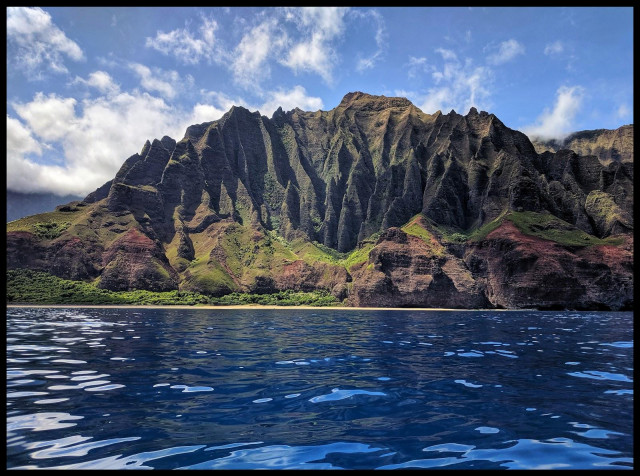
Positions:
(86, 87)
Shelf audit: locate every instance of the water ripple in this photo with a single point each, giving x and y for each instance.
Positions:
(599, 375)
(468, 384)
(284, 456)
(337, 394)
(187, 389)
(328, 389)
(72, 446)
(523, 454)
(41, 421)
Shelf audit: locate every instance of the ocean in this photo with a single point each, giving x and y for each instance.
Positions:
(163, 388)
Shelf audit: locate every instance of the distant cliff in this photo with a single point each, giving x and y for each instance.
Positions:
(607, 145)
(374, 200)
(20, 204)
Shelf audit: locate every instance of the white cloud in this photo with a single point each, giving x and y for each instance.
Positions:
(215, 104)
(100, 80)
(19, 139)
(316, 53)
(24, 175)
(249, 63)
(204, 113)
(380, 38)
(94, 140)
(188, 47)
(558, 122)
(417, 66)
(507, 50)
(103, 82)
(224, 102)
(458, 85)
(447, 55)
(311, 56)
(89, 140)
(438, 100)
(328, 21)
(212, 107)
(36, 42)
(295, 97)
(150, 80)
(564, 51)
(554, 48)
(403, 93)
(623, 111)
(49, 117)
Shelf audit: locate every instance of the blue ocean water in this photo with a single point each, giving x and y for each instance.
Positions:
(318, 389)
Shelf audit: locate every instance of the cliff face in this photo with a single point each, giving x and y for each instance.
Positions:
(257, 204)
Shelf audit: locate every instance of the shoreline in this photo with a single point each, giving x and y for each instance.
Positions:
(243, 306)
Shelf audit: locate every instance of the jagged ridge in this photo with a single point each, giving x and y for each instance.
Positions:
(336, 177)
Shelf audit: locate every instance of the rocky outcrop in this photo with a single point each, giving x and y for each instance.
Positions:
(68, 257)
(523, 271)
(302, 276)
(24, 250)
(135, 261)
(406, 271)
(218, 211)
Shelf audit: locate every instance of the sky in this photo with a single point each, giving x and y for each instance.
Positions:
(86, 87)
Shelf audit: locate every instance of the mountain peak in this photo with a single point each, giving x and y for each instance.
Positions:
(369, 101)
(168, 143)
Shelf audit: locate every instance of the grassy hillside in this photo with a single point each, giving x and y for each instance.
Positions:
(36, 287)
(541, 225)
(228, 261)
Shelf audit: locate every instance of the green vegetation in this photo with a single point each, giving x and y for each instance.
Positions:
(247, 253)
(482, 232)
(541, 225)
(38, 287)
(447, 234)
(273, 191)
(282, 298)
(457, 238)
(313, 252)
(604, 210)
(208, 277)
(91, 222)
(455, 235)
(358, 256)
(57, 219)
(551, 228)
(49, 230)
(415, 228)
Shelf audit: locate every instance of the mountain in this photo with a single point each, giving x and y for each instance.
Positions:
(605, 144)
(20, 204)
(374, 200)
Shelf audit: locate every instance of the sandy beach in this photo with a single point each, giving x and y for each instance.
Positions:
(244, 306)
